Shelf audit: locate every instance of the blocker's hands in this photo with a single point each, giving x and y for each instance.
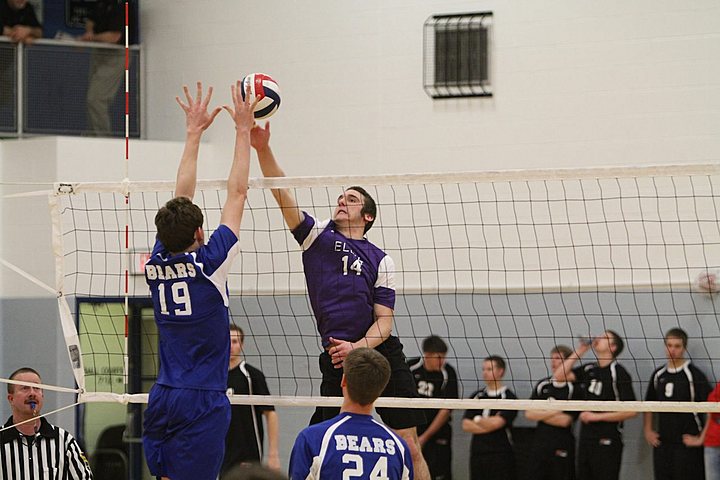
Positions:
(242, 112)
(197, 117)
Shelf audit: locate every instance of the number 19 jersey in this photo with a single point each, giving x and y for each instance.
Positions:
(190, 298)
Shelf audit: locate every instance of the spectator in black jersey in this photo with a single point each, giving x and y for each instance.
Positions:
(676, 381)
(600, 448)
(435, 379)
(491, 453)
(552, 455)
(244, 440)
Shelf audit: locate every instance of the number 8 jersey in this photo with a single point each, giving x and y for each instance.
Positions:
(190, 298)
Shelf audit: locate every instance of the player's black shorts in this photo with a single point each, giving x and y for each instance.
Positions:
(599, 458)
(401, 384)
(676, 461)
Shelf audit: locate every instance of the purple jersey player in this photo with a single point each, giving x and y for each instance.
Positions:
(188, 410)
(351, 285)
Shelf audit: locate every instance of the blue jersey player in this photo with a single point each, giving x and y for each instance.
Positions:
(188, 410)
(351, 284)
(353, 444)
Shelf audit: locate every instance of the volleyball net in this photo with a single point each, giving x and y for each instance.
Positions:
(508, 263)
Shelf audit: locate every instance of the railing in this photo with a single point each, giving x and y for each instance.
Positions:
(60, 87)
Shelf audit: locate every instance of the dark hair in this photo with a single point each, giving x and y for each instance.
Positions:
(562, 350)
(618, 342)
(678, 333)
(367, 373)
(497, 360)
(236, 328)
(369, 206)
(252, 471)
(177, 222)
(434, 344)
(10, 386)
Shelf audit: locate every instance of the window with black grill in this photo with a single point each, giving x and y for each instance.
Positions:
(456, 55)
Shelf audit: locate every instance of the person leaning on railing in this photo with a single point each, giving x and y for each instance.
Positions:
(19, 21)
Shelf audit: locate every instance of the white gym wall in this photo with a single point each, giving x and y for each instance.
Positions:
(576, 84)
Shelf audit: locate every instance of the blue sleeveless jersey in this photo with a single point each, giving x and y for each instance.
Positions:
(190, 298)
(350, 446)
(345, 279)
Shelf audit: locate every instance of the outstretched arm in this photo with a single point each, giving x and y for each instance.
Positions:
(260, 140)
(197, 120)
(237, 184)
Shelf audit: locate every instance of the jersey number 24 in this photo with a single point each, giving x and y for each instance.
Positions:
(379, 471)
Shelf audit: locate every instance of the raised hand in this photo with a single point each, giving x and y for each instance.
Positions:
(242, 112)
(197, 117)
(260, 137)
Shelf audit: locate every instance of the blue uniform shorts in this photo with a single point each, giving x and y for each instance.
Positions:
(184, 432)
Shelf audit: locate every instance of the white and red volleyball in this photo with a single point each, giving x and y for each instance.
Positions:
(708, 282)
(266, 89)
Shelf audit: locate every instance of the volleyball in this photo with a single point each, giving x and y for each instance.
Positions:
(264, 87)
(708, 282)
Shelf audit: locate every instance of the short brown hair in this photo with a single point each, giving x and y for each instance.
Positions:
(618, 342)
(10, 386)
(177, 222)
(236, 328)
(497, 360)
(563, 350)
(678, 333)
(434, 344)
(367, 373)
(369, 206)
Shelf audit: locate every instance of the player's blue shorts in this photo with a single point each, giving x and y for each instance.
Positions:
(184, 432)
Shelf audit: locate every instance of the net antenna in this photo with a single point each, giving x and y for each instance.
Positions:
(505, 262)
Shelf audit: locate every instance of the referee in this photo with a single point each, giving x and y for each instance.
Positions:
(37, 449)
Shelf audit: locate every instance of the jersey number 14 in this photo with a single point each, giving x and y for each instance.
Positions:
(355, 266)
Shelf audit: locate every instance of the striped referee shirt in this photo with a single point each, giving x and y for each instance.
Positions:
(51, 454)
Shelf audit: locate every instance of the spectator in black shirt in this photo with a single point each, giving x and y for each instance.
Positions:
(600, 448)
(106, 24)
(491, 453)
(19, 21)
(435, 379)
(21, 25)
(676, 381)
(552, 455)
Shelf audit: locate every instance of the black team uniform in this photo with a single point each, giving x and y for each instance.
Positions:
(600, 448)
(443, 384)
(672, 459)
(491, 454)
(244, 439)
(552, 455)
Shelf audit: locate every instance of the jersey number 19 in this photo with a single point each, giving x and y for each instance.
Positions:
(180, 297)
